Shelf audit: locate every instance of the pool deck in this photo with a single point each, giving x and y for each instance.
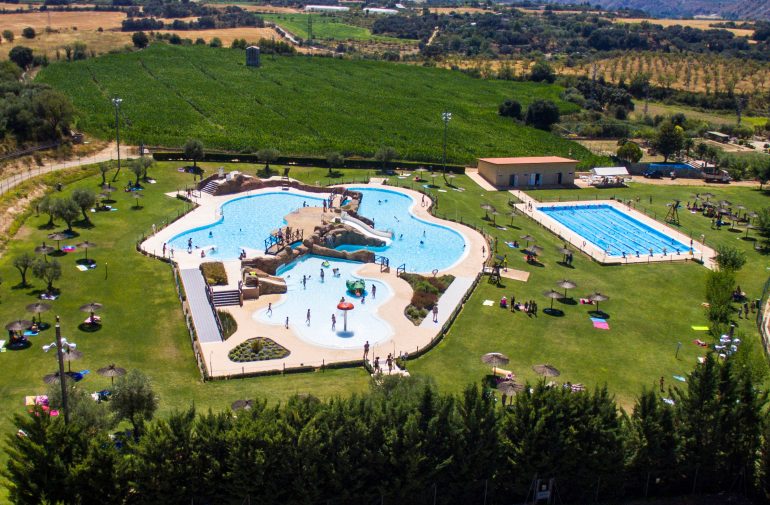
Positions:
(702, 253)
(407, 337)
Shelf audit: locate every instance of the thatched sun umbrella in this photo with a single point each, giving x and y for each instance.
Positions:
(510, 388)
(70, 355)
(18, 326)
(527, 239)
(45, 250)
(547, 370)
(111, 371)
(54, 378)
(566, 284)
(242, 404)
(512, 214)
(598, 297)
(91, 308)
(58, 237)
(137, 196)
(749, 227)
(495, 359)
(38, 308)
(536, 250)
(494, 213)
(420, 171)
(553, 295)
(564, 251)
(86, 245)
(487, 209)
(707, 196)
(450, 176)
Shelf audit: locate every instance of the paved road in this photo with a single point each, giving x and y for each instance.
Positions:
(107, 154)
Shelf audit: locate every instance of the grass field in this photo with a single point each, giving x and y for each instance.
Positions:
(651, 307)
(716, 118)
(327, 28)
(302, 105)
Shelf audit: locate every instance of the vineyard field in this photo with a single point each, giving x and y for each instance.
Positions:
(302, 105)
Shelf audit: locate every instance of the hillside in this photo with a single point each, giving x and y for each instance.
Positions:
(301, 105)
(728, 9)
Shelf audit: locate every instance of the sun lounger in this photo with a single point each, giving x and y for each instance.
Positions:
(501, 372)
(92, 320)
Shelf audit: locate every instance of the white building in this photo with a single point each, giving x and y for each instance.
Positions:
(326, 8)
(378, 10)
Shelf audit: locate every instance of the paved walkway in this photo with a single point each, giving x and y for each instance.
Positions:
(474, 175)
(106, 154)
(451, 298)
(200, 308)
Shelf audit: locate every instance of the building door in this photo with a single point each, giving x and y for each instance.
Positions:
(513, 181)
(538, 180)
(558, 181)
(532, 179)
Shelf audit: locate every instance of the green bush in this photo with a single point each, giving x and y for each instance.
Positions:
(214, 273)
(229, 326)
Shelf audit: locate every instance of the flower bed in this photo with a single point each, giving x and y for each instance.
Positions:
(427, 291)
(257, 349)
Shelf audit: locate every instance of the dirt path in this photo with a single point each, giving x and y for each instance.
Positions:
(432, 36)
(106, 154)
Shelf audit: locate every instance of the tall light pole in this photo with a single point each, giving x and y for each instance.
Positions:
(446, 116)
(60, 344)
(116, 102)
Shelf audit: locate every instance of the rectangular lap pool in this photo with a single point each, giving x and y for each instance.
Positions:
(613, 231)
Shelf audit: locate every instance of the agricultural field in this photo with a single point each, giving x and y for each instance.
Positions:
(700, 24)
(326, 27)
(302, 105)
(712, 117)
(689, 72)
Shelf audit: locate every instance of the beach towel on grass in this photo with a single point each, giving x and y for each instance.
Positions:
(488, 303)
(82, 268)
(700, 328)
(600, 323)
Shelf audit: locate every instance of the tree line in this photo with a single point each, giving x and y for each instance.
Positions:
(403, 441)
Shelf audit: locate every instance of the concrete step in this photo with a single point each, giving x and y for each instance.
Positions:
(225, 298)
(210, 187)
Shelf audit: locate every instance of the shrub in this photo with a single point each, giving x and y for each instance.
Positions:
(28, 33)
(423, 300)
(214, 273)
(229, 326)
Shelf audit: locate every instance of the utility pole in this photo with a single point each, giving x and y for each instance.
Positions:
(62, 377)
(116, 102)
(446, 116)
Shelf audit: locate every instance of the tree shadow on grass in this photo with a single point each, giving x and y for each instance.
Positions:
(21, 286)
(84, 224)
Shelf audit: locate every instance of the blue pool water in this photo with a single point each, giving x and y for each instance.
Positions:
(419, 245)
(614, 231)
(322, 299)
(245, 223)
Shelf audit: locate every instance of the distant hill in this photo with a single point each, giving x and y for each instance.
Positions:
(728, 9)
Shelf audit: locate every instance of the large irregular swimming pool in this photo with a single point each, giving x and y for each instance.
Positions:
(419, 245)
(321, 296)
(613, 231)
(245, 223)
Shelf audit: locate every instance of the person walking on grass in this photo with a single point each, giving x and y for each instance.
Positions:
(366, 350)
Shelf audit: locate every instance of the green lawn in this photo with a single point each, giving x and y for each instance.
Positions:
(327, 27)
(716, 118)
(651, 307)
(302, 105)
